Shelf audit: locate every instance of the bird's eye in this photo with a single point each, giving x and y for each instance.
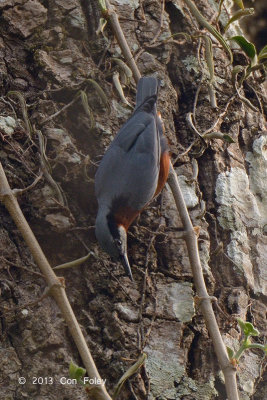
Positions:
(118, 242)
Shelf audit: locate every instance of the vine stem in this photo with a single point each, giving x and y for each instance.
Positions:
(190, 237)
(56, 289)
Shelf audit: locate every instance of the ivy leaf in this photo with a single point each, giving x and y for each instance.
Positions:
(247, 47)
(230, 352)
(76, 372)
(263, 53)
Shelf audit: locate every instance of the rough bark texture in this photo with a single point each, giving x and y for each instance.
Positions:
(49, 50)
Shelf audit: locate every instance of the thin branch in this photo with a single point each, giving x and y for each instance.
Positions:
(7, 197)
(31, 186)
(59, 111)
(206, 307)
(112, 17)
(24, 111)
(46, 169)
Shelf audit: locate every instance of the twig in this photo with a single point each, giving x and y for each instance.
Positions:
(220, 116)
(245, 100)
(59, 111)
(206, 307)
(7, 197)
(191, 126)
(202, 21)
(195, 131)
(10, 105)
(32, 185)
(46, 169)
(11, 264)
(112, 17)
(24, 111)
(257, 97)
(185, 152)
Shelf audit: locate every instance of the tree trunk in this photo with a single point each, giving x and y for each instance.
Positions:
(50, 51)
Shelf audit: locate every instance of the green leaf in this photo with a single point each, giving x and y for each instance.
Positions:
(102, 5)
(228, 138)
(131, 371)
(219, 135)
(241, 324)
(250, 330)
(239, 4)
(238, 15)
(101, 26)
(209, 57)
(263, 53)
(247, 328)
(237, 69)
(219, 11)
(230, 352)
(247, 47)
(202, 21)
(76, 372)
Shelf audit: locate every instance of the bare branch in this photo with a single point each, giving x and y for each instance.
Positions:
(206, 307)
(7, 197)
(112, 17)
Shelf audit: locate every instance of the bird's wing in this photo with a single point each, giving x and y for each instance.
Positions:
(130, 167)
(129, 133)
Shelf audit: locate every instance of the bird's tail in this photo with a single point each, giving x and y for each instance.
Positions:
(147, 87)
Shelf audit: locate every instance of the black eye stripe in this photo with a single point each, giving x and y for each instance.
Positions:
(113, 227)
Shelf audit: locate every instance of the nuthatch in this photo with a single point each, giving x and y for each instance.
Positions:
(133, 170)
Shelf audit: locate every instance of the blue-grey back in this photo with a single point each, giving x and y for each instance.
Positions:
(130, 166)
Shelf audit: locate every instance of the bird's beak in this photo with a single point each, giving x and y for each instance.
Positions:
(126, 265)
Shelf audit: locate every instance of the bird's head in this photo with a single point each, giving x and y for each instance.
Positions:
(113, 239)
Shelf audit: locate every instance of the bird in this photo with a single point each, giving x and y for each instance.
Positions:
(132, 172)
